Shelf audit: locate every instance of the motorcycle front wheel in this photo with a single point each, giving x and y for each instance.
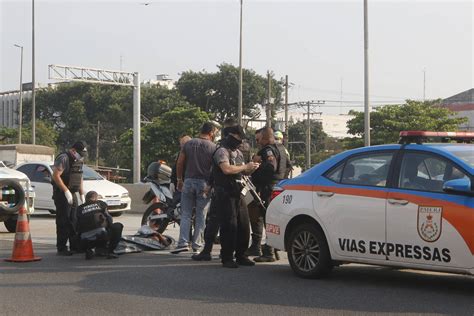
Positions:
(163, 222)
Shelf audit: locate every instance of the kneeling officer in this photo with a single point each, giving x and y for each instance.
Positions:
(96, 228)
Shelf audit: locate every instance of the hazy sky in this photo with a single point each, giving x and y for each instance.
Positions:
(315, 43)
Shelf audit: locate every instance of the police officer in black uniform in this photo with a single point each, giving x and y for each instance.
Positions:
(67, 181)
(228, 165)
(273, 168)
(95, 227)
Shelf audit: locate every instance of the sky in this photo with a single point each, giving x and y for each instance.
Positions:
(318, 44)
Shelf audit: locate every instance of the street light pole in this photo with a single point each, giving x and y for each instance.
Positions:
(240, 68)
(366, 78)
(33, 98)
(20, 109)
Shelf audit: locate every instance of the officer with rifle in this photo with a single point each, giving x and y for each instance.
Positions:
(228, 167)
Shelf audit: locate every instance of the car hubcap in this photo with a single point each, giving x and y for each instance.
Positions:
(305, 251)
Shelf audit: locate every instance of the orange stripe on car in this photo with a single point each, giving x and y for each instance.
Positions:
(459, 216)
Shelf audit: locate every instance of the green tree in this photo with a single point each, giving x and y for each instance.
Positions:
(217, 92)
(386, 122)
(160, 138)
(46, 134)
(8, 135)
(74, 110)
(297, 141)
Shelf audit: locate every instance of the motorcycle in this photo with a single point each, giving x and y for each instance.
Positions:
(165, 207)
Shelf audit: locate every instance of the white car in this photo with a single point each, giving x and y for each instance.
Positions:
(8, 210)
(414, 210)
(40, 173)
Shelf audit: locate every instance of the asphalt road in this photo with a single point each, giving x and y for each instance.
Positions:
(166, 284)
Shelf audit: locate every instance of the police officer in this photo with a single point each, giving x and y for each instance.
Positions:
(67, 180)
(228, 165)
(212, 220)
(96, 228)
(273, 168)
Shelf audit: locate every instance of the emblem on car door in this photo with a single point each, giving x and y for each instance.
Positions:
(430, 222)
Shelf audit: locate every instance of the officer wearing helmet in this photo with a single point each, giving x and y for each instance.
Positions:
(67, 181)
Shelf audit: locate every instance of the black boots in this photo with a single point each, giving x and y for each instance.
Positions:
(255, 249)
(268, 255)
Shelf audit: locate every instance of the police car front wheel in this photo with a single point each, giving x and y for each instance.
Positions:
(308, 252)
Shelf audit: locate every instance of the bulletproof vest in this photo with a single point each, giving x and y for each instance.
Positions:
(263, 177)
(72, 179)
(91, 216)
(283, 163)
(223, 181)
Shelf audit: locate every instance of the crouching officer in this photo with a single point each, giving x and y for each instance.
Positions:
(67, 182)
(228, 165)
(96, 228)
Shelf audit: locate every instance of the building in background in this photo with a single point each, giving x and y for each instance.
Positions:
(161, 80)
(463, 104)
(334, 125)
(10, 104)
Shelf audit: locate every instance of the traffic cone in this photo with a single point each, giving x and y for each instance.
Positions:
(23, 247)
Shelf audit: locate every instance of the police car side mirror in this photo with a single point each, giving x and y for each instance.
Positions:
(459, 186)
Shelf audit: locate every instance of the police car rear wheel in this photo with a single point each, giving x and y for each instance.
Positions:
(308, 252)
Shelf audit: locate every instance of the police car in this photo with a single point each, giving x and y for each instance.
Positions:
(405, 205)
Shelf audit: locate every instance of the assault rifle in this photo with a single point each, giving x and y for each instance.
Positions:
(249, 192)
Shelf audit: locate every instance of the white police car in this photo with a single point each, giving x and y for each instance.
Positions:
(405, 205)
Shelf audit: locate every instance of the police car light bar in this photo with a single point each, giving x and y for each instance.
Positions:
(419, 137)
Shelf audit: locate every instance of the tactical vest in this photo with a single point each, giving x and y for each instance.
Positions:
(223, 181)
(73, 178)
(91, 216)
(283, 163)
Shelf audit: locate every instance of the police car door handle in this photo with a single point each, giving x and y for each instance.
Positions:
(397, 202)
(325, 193)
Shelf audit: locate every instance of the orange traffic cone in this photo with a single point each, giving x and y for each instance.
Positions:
(23, 247)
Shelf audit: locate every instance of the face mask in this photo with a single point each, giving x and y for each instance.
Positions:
(233, 142)
(77, 156)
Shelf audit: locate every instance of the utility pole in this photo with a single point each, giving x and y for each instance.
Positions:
(239, 106)
(20, 110)
(269, 104)
(97, 146)
(308, 129)
(424, 84)
(286, 111)
(33, 98)
(366, 78)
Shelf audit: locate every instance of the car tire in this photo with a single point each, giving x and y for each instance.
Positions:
(116, 214)
(308, 252)
(10, 223)
(19, 196)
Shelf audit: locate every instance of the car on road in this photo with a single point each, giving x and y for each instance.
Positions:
(408, 205)
(14, 187)
(40, 173)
